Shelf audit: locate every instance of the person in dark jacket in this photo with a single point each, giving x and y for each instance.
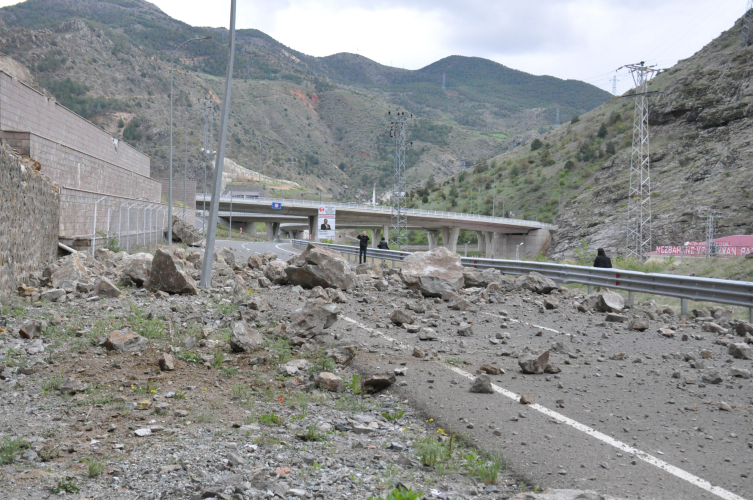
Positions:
(602, 261)
(363, 245)
(383, 245)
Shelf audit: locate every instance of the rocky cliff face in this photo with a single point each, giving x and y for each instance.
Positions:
(701, 157)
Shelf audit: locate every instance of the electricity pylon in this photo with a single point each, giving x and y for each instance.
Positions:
(399, 234)
(639, 193)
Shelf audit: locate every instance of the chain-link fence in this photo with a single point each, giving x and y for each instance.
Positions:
(91, 220)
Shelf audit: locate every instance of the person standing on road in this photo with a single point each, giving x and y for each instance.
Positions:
(602, 261)
(383, 245)
(363, 245)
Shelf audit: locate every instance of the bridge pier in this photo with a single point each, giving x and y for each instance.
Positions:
(492, 240)
(450, 238)
(482, 241)
(313, 228)
(273, 229)
(433, 237)
(376, 234)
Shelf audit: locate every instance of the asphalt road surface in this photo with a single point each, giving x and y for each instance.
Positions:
(246, 249)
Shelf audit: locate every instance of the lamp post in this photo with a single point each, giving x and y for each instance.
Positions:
(170, 188)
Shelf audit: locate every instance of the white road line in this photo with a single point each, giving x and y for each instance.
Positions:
(650, 459)
(282, 249)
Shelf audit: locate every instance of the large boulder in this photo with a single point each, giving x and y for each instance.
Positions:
(167, 274)
(320, 266)
(369, 269)
(255, 262)
(227, 255)
(400, 317)
(315, 317)
(610, 302)
(536, 282)
(106, 289)
(72, 270)
(534, 363)
(433, 273)
(275, 272)
(245, 339)
(481, 279)
(138, 268)
(186, 233)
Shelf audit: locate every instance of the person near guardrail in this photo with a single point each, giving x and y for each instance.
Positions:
(383, 245)
(602, 261)
(363, 240)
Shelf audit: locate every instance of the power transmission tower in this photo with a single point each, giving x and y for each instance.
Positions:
(399, 226)
(443, 78)
(639, 194)
(711, 222)
(614, 83)
(748, 25)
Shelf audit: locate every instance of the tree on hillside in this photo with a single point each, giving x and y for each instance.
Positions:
(575, 119)
(481, 165)
(602, 133)
(536, 144)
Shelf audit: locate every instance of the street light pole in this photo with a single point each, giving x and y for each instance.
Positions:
(170, 188)
(206, 270)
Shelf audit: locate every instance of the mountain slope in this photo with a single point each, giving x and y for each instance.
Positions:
(577, 175)
(320, 122)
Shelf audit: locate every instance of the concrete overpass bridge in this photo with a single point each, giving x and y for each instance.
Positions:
(497, 236)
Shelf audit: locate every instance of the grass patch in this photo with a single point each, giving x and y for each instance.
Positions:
(189, 357)
(322, 365)
(485, 469)
(354, 385)
(9, 449)
(400, 494)
(218, 358)
(239, 391)
(52, 384)
(270, 419)
(281, 349)
(393, 417)
(94, 467)
(146, 325)
(67, 485)
(311, 435)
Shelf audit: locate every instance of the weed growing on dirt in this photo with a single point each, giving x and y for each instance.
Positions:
(179, 395)
(281, 349)
(354, 385)
(9, 448)
(239, 391)
(52, 384)
(67, 485)
(189, 357)
(12, 311)
(311, 435)
(393, 417)
(270, 419)
(218, 359)
(323, 365)
(400, 494)
(94, 467)
(486, 470)
(146, 325)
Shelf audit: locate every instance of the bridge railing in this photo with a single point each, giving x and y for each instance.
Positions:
(387, 210)
(737, 293)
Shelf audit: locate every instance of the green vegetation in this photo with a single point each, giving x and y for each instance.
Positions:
(189, 357)
(311, 435)
(10, 448)
(393, 417)
(270, 419)
(73, 95)
(66, 485)
(94, 467)
(354, 385)
(400, 494)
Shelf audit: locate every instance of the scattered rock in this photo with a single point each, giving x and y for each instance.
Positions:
(526, 399)
(536, 283)
(244, 338)
(400, 317)
(712, 327)
(551, 303)
(30, 329)
(329, 381)
(534, 363)
(315, 317)
(167, 275)
(72, 269)
(465, 330)
(370, 270)
(125, 341)
(491, 370)
(377, 382)
(51, 295)
(616, 318)
(138, 268)
(275, 272)
(186, 233)
(638, 324)
(319, 266)
(72, 386)
(712, 377)
(258, 304)
(739, 372)
(482, 385)
(166, 362)
(610, 302)
(106, 289)
(342, 355)
(740, 351)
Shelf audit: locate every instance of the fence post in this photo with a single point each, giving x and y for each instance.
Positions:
(108, 225)
(683, 307)
(94, 230)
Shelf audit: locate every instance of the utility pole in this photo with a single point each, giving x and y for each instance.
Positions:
(747, 28)
(639, 193)
(614, 83)
(710, 230)
(206, 270)
(399, 216)
(207, 150)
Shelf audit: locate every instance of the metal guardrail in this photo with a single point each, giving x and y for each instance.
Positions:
(737, 293)
(383, 209)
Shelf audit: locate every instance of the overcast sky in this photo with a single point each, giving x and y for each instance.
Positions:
(578, 39)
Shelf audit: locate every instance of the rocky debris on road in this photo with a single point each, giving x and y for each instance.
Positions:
(137, 268)
(106, 289)
(125, 340)
(482, 385)
(70, 271)
(638, 324)
(319, 266)
(370, 270)
(377, 382)
(186, 233)
(275, 272)
(536, 283)
(329, 381)
(168, 274)
(30, 329)
(433, 273)
(342, 355)
(244, 338)
(315, 317)
(166, 362)
(556, 494)
(526, 399)
(534, 363)
(465, 329)
(400, 317)
(740, 351)
(609, 302)
(473, 278)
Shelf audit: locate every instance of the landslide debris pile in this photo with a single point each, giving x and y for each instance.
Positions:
(119, 375)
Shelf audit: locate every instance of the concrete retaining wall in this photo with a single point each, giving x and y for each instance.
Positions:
(29, 218)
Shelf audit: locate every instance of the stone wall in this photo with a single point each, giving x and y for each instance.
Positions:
(23, 109)
(29, 218)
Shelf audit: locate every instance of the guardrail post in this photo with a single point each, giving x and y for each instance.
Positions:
(750, 315)
(590, 289)
(683, 307)
(631, 299)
